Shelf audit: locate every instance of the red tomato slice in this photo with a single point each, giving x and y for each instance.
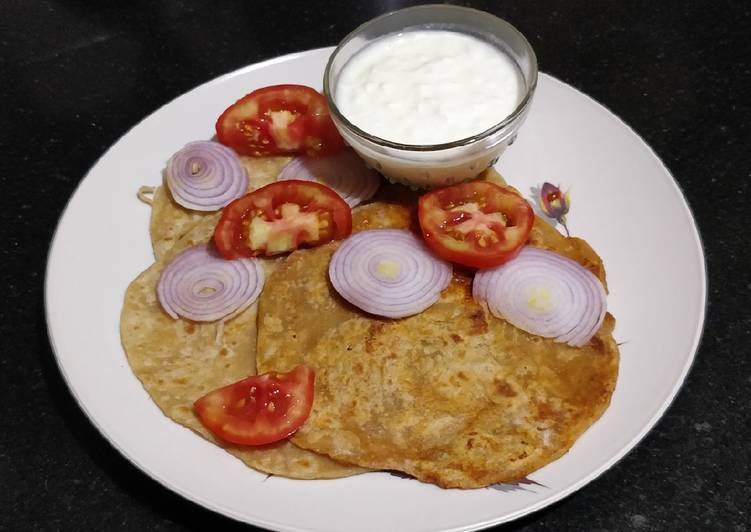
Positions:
(259, 409)
(281, 217)
(477, 224)
(281, 119)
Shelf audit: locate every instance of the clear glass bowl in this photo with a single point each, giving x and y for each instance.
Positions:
(436, 164)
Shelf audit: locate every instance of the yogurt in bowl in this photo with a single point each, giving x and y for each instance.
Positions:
(431, 95)
(428, 87)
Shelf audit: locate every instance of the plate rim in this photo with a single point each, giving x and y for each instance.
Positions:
(554, 497)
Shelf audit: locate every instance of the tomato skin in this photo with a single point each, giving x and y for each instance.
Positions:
(490, 233)
(280, 120)
(259, 409)
(231, 232)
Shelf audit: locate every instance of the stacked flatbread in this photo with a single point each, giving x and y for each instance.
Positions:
(452, 396)
(178, 361)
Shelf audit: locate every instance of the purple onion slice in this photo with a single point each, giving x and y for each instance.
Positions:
(388, 272)
(344, 172)
(205, 176)
(199, 285)
(545, 294)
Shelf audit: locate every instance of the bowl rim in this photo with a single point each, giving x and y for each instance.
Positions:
(518, 111)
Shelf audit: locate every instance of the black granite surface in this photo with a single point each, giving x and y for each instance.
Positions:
(75, 75)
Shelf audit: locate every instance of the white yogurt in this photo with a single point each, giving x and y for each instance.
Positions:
(428, 87)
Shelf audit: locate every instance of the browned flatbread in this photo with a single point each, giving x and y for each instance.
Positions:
(178, 361)
(453, 396)
(170, 221)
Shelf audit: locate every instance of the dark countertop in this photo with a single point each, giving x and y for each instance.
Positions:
(77, 75)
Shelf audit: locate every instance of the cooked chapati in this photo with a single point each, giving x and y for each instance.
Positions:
(178, 361)
(452, 396)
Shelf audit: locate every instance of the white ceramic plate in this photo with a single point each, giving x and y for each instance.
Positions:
(625, 203)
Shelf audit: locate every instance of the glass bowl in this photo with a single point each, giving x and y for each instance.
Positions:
(435, 164)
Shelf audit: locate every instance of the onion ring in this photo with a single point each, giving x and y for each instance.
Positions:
(345, 173)
(199, 285)
(545, 294)
(205, 176)
(388, 272)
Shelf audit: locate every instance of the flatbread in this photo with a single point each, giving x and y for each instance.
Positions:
(452, 396)
(170, 221)
(178, 361)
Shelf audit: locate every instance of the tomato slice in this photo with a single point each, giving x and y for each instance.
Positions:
(259, 409)
(281, 119)
(477, 224)
(281, 217)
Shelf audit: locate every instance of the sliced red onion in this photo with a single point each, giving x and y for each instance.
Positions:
(344, 172)
(200, 285)
(388, 272)
(205, 176)
(546, 294)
